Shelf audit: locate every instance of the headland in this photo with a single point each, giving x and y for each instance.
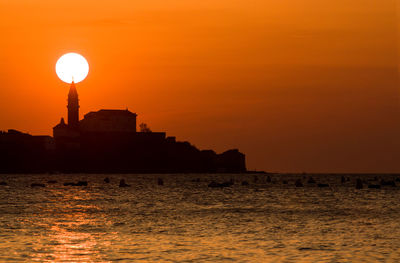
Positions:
(107, 141)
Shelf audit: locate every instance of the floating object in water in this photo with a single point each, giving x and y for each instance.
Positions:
(160, 181)
(359, 184)
(214, 184)
(311, 180)
(285, 182)
(3, 183)
(52, 182)
(388, 183)
(374, 186)
(123, 184)
(323, 185)
(107, 180)
(245, 183)
(298, 183)
(80, 183)
(37, 185)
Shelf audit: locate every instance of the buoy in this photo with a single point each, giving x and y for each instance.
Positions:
(359, 184)
(298, 183)
(160, 181)
(311, 180)
(37, 185)
(123, 184)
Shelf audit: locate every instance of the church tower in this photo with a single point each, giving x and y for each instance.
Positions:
(73, 107)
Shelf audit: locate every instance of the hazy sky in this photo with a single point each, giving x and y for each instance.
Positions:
(297, 85)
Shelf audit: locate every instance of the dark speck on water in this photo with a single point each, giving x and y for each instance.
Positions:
(80, 183)
(374, 186)
(37, 185)
(342, 180)
(311, 180)
(187, 221)
(122, 183)
(160, 181)
(298, 183)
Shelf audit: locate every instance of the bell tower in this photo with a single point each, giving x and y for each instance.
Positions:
(73, 107)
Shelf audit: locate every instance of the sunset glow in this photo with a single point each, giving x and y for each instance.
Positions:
(267, 77)
(207, 131)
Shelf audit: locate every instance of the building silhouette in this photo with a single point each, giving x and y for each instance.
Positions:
(107, 141)
(109, 121)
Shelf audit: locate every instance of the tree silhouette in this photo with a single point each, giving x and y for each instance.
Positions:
(144, 128)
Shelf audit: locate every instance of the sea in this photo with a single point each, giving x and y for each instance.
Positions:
(184, 220)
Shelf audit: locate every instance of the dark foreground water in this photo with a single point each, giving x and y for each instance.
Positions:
(185, 221)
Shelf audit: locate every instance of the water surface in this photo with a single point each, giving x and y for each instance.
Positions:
(186, 221)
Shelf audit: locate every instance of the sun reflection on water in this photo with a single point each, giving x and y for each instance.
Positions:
(73, 231)
(185, 220)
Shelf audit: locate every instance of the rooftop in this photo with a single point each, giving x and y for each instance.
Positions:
(111, 112)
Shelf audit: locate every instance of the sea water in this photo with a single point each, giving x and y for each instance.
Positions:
(184, 220)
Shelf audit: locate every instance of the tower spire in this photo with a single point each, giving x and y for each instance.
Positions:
(73, 107)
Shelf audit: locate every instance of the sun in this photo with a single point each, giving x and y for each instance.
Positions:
(72, 67)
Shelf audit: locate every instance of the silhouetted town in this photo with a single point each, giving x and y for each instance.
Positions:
(107, 141)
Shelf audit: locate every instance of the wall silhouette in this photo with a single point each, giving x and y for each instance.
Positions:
(111, 152)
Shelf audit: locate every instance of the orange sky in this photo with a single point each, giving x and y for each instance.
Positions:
(297, 85)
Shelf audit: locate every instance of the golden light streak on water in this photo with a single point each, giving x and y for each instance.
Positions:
(185, 220)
